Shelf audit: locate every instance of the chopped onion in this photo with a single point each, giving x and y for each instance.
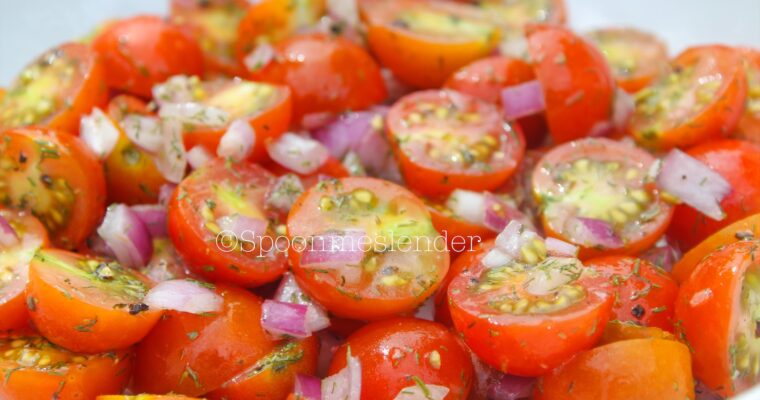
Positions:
(165, 193)
(664, 257)
(144, 131)
(512, 239)
(99, 247)
(177, 89)
(99, 132)
(285, 191)
(551, 274)
(242, 227)
(694, 183)
(289, 292)
(171, 159)
(560, 248)
(126, 235)
(471, 206)
(499, 213)
(522, 100)
(335, 249)
(183, 295)
(237, 142)
(396, 89)
(592, 232)
(314, 121)
(259, 57)
(496, 258)
(300, 154)
(284, 319)
(344, 133)
(426, 310)
(622, 109)
(154, 218)
(601, 129)
(346, 384)
(195, 113)
(422, 391)
(198, 156)
(308, 387)
(328, 344)
(511, 387)
(8, 237)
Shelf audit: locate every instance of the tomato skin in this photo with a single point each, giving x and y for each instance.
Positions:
(411, 341)
(748, 127)
(578, 85)
(617, 331)
(325, 74)
(458, 264)
(737, 162)
(144, 50)
(653, 369)
(226, 343)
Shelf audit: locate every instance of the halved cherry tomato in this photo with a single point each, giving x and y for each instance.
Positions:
(195, 354)
(718, 312)
(749, 125)
(701, 99)
(459, 264)
(518, 14)
(445, 140)
(637, 58)
(617, 331)
(736, 161)
(35, 369)
(235, 192)
(14, 267)
(577, 83)
(592, 185)
(55, 90)
(56, 177)
(325, 74)
(521, 332)
(460, 234)
(146, 397)
(402, 258)
(652, 369)
(142, 51)
(423, 43)
(644, 293)
(272, 376)
(403, 352)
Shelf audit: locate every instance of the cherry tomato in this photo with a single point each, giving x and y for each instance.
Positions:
(518, 14)
(617, 331)
(325, 74)
(403, 352)
(55, 90)
(445, 140)
(35, 369)
(749, 125)
(146, 397)
(522, 330)
(653, 369)
(737, 162)
(701, 99)
(142, 51)
(195, 354)
(460, 234)
(57, 178)
(595, 193)
(423, 43)
(718, 313)
(577, 83)
(637, 58)
(644, 293)
(401, 258)
(87, 304)
(459, 264)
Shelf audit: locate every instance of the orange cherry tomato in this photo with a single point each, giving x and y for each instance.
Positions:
(403, 259)
(597, 182)
(577, 83)
(424, 42)
(736, 161)
(57, 178)
(325, 74)
(617, 331)
(749, 125)
(142, 51)
(444, 140)
(402, 352)
(195, 354)
(701, 99)
(652, 369)
(55, 90)
(35, 369)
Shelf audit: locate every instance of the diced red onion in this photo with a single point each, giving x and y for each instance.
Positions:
(335, 249)
(183, 295)
(144, 131)
(522, 100)
(344, 134)
(177, 89)
(592, 232)
(663, 256)
(171, 159)
(496, 257)
(373, 149)
(560, 248)
(154, 218)
(552, 274)
(242, 227)
(422, 391)
(99, 132)
(396, 89)
(237, 142)
(346, 384)
(300, 154)
(165, 192)
(284, 319)
(353, 164)
(195, 113)
(694, 183)
(622, 109)
(426, 310)
(308, 387)
(99, 247)
(289, 292)
(198, 156)
(284, 193)
(512, 239)
(259, 57)
(328, 344)
(314, 121)
(602, 129)
(499, 213)
(469, 205)
(8, 237)
(511, 387)
(126, 235)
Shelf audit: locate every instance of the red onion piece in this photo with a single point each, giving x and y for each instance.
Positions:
(98, 246)
(510, 387)
(297, 153)
(422, 391)
(171, 159)
(560, 248)
(237, 142)
(328, 345)
(289, 292)
(308, 387)
(335, 249)
(499, 213)
(154, 218)
(195, 113)
(344, 134)
(176, 89)
(592, 232)
(496, 257)
(165, 193)
(694, 183)
(284, 319)
(396, 89)
(346, 384)
(98, 131)
(523, 100)
(314, 121)
(242, 227)
(8, 236)
(469, 205)
(664, 257)
(183, 295)
(198, 156)
(284, 193)
(602, 129)
(622, 109)
(126, 235)
(426, 310)
(259, 57)
(144, 131)
(512, 239)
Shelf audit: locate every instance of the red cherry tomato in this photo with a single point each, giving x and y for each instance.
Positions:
(749, 125)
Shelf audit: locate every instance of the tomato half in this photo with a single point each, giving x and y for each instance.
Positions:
(737, 162)
(194, 354)
(55, 90)
(397, 259)
(577, 83)
(445, 140)
(617, 331)
(423, 43)
(600, 184)
(521, 332)
(718, 311)
(701, 99)
(749, 125)
(637, 58)
(458, 264)
(653, 369)
(142, 51)
(644, 293)
(57, 178)
(403, 352)
(460, 234)
(35, 369)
